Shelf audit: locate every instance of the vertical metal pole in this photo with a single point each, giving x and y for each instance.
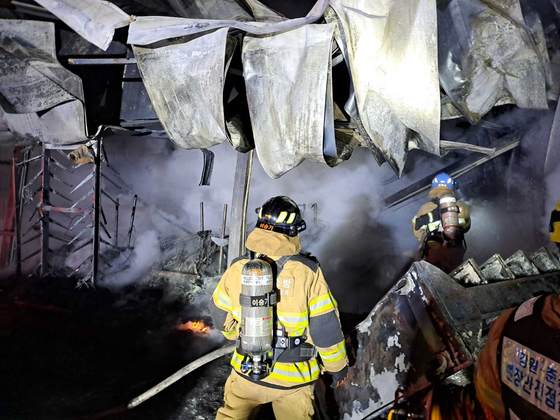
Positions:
(117, 224)
(96, 211)
(132, 221)
(224, 220)
(17, 224)
(9, 215)
(239, 203)
(44, 214)
(314, 207)
(21, 181)
(202, 216)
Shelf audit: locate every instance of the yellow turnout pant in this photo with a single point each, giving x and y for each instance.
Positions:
(242, 396)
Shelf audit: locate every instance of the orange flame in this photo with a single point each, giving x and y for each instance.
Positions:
(196, 326)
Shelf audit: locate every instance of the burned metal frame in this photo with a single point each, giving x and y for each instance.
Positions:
(456, 170)
(97, 220)
(10, 251)
(427, 328)
(239, 203)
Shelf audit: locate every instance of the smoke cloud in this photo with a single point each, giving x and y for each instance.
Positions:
(362, 247)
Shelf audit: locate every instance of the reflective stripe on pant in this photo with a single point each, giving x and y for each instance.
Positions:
(242, 396)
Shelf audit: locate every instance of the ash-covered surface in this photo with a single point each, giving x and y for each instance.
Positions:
(69, 352)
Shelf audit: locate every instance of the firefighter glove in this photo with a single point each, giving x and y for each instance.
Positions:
(339, 377)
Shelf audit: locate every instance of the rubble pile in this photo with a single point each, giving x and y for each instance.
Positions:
(100, 348)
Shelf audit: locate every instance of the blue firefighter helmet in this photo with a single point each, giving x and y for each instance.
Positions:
(444, 180)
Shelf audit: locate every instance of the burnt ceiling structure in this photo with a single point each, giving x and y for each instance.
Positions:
(292, 80)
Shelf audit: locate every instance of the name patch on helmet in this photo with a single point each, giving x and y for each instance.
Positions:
(266, 226)
(532, 376)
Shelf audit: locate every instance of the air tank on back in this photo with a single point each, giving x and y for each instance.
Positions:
(256, 318)
(449, 212)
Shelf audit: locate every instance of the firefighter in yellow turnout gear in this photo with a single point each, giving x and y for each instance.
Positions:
(437, 247)
(306, 311)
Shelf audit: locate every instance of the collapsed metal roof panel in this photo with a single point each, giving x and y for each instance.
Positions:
(94, 20)
(40, 99)
(288, 88)
(391, 50)
(185, 82)
(487, 55)
(63, 124)
(263, 13)
(31, 78)
(150, 29)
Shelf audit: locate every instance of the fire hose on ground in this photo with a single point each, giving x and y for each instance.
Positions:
(216, 354)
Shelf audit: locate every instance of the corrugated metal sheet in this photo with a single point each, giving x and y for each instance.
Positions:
(391, 50)
(185, 82)
(289, 93)
(488, 56)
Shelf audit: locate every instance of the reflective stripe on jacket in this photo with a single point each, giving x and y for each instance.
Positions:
(306, 306)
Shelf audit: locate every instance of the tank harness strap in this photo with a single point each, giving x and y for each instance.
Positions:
(281, 262)
(298, 353)
(421, 221)
(301, 353)
(291, 349)
(261, 301)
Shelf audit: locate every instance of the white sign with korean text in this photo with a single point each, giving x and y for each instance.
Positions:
(532, 376)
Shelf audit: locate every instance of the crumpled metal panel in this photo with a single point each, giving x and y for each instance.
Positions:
(521, 266)
(94, 20)
(424, 330)
(288, 91)
(486, 56)
(391, 50)
(31, 79)
(185, 82)
(237, 135)
(63, 124)
(496, 269)
(147, 30)
(545, 261)
(209, 9)
(400, 340)
(468, 274)
(263, 13)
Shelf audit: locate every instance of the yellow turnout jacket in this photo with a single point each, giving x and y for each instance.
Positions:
(431, 223)
(306, 306)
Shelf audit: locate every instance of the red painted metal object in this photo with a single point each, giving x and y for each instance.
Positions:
(9, 215)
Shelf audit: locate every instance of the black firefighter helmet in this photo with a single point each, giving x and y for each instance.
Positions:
(280, 214)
